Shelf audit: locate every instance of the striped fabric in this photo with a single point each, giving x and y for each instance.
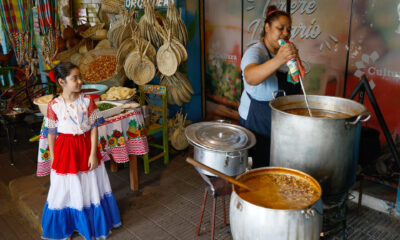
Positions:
(47, 14)
(15, 15)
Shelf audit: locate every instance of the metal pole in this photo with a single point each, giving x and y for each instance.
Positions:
(346, 70)
(288, 3)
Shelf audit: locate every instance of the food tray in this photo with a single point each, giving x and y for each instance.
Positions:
(112, 111)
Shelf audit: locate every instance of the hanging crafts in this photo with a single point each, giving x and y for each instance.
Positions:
(49, 46)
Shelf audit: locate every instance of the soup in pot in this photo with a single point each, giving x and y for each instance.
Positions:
(318, 113)
(279, 191)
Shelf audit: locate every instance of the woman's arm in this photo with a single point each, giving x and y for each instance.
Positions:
(93, 161)
(51, 138)
(255, 73)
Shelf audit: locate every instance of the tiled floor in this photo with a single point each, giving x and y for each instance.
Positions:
(167, 206)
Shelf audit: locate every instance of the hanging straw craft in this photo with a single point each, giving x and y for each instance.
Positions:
(179, 88)
(175, 23)
(112, 6)
(170, 54)
(138, 66)
(148, 25)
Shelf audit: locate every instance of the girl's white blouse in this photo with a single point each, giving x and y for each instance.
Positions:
(77, 117)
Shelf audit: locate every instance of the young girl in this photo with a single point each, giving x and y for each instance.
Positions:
(80, 197)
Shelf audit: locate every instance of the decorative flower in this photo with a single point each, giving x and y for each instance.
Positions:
(112, 141)
(100, 147)
(46, 155)
(121, 141)
(117, 134)
(103, 141)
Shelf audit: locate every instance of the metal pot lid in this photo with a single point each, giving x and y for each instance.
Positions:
(222, 137)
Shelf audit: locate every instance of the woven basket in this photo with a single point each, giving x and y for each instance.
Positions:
(76, 58)
(65, 56)
(112, 6)
(92, 30)
(103, 44)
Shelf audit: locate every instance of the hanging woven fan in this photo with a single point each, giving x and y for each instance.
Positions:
(148, 25)
(138, 66)
(179, 88)
(175, 23)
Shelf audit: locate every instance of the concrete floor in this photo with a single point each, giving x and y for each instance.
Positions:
(166, 207)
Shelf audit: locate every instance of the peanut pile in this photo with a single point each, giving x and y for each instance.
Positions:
(103, 67)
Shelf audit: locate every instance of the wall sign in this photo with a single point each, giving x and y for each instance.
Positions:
(138, 4)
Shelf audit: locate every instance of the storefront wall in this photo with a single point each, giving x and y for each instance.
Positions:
(321, 32)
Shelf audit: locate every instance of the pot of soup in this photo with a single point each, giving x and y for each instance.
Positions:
(285, 205)
(324, 146)
(221, 146)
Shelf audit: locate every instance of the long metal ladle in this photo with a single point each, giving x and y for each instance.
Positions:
(305, 96)
(220, 174)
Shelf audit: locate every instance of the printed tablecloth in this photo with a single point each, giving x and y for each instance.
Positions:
(119, 136)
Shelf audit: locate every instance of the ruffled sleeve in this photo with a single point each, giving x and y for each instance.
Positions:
(51, 121)
(95, 119)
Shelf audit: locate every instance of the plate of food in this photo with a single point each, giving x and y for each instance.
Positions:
(119, 94)
(108, 109)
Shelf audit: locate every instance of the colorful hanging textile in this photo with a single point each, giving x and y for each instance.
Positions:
(5, 44)
(47, 14)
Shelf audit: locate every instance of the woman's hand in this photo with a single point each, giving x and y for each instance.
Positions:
(286, 52)
(92, 163)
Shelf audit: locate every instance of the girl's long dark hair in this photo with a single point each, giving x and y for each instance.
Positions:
(271, 15)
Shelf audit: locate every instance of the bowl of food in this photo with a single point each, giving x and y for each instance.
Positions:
(89, 89)
(42, 102)
(108, 109)
(119, 94)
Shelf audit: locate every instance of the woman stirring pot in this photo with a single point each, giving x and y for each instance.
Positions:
(265, 71)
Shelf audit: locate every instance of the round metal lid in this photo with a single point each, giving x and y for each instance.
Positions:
(217, 136)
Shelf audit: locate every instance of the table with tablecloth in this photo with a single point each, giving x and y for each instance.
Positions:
(121, 137)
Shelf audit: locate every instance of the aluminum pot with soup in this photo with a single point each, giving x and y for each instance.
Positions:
(285, 205)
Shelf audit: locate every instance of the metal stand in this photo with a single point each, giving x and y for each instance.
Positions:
(218, 187)
(362, 87)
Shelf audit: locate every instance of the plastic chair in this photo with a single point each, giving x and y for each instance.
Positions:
(153, 128)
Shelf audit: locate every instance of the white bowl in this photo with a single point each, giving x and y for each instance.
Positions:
(100, 88)
(42, 106)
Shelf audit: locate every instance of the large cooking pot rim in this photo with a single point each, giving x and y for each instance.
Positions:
(313, 99)
(220, 137)
(259, 171)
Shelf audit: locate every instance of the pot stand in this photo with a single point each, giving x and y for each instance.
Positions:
(218, 187)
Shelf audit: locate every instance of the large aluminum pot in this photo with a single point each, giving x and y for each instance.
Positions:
(249, 221)
(325, 148)
(221, 146)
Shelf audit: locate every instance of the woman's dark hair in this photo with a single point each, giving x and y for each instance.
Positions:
(63, 70)
(271, 15)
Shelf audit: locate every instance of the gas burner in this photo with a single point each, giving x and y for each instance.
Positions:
(334, 220)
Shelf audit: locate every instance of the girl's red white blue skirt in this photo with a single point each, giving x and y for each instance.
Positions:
(79, 200)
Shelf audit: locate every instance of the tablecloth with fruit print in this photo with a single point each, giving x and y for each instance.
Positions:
(119, 136)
